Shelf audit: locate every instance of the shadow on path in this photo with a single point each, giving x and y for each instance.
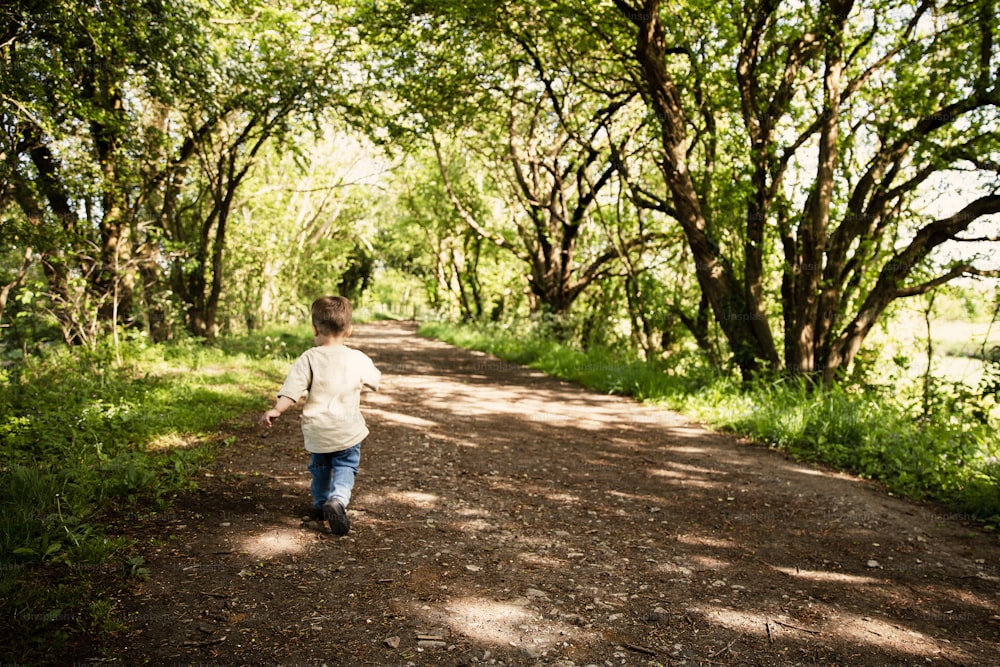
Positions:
(504, 517)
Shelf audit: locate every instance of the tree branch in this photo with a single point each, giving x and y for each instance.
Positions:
(927, 286)
(463, 213)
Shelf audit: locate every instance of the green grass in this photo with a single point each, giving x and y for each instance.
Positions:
(84, 439)
(944, 449)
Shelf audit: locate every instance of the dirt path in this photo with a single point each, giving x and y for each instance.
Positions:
(506, 518)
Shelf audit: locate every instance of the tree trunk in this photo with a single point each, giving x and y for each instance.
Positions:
(739, 323)
(810, 324)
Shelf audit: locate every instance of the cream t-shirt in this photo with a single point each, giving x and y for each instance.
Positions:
(333, 377)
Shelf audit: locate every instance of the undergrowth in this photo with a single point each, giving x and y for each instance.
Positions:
(86, 440)
(941, 447)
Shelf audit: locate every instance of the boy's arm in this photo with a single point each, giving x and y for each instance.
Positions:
(282, 404)
(371, 376)
(298, 381)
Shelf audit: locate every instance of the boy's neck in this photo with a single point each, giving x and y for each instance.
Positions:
(322, 340)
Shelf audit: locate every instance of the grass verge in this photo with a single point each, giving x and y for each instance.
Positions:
(86, 440)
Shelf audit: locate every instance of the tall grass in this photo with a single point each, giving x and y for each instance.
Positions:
(83, 440)
(945, 450)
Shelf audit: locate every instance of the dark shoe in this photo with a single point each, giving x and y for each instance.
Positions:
(316, 513)
(336, 516)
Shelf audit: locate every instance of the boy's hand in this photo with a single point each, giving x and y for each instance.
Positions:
(283, 404)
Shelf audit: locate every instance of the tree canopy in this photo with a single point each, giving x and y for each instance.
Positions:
(768, 176)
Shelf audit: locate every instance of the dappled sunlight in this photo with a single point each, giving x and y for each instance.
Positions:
(706, 541)
(701, 451)
(864, 629)
(669, 474)
(694, 432)
(585, 520)
(539, 416)
(503, 623)
(170, 441)
(472, 520)
(471, 512)
(563, 498)
(414, 498)
(823, 473)
(519, 487)
(835, 577)
(275, 542)
(698, 470)
(658, 417)
(683, 478)
(473, 525)
(709, 563)
(860, 630)
(401, 419)
(649, 500)
(501, 519)
(688, 474)
(461, 399)
(540, 560)
(742, 621)
(969, 599)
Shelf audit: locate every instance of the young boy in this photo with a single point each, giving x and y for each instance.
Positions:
(332, 425)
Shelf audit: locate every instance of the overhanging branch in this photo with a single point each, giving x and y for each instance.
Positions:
(463, 213)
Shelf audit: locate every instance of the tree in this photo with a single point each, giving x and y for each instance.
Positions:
(423, 235)
(131, 126)
(824, 93)
(280, 68)
(303, 224)
(553, 186)
(77, 78)
(796, 143)
(551, 146)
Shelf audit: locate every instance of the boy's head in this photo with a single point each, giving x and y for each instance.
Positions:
(331, 315)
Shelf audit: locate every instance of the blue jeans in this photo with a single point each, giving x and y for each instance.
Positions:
(333, 475)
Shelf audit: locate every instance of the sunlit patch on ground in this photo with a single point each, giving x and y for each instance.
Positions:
(538, 560)
(473, 525)
(567, 498)
(705, 541)
(170, 441)
(886, 635)
(471, 512)
(414, 498)
(860, 630)
(273, 543)
(709, 563)
(398, 418)
(505, 623)
(734, 619)
(688, 432)
(836, 577)
(682, 478)
(689, 450)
